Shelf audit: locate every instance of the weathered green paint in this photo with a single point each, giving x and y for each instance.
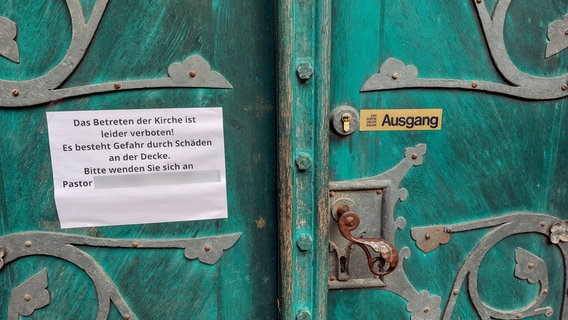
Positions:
(494, 154)
(139, 40)
(303, 33)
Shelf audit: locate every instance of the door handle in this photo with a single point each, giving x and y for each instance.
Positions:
(387, 253)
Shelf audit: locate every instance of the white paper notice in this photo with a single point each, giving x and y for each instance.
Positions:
(122, 167)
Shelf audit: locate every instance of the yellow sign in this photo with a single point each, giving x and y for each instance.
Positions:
(401, 119)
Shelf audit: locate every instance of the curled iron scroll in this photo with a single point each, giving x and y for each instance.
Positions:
(529, 267)
(193, 72)
(66, 247)
(395, 74)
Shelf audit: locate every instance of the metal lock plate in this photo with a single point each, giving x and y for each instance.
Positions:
(344, 120)
(348, 266)
(362, 250)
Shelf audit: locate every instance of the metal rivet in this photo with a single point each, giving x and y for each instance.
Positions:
(304, 70)
(15, 92)
(303, 161)
(27, 297)
(455, 292)
(207, 248)
(193, 74)
(379, 191)
(474, 85)
(531, 265)
(564, 87)
(542, 224)
(414, 156)
(478, 1)
(448, 230)
(135, 244)
(304, 242)
(28, 243)
(117, 85)
(544, 292)
(395, 75)
(427, 236)
(566, 32)
(304, 315)
(426, 310)
(548, 312)
(332, 193)
(519, 316)
(126, 317)
(332, 278)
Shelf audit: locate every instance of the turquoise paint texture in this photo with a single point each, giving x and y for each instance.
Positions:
(139, 40)
(494, 154)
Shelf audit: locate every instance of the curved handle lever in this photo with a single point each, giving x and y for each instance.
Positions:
(349, 221)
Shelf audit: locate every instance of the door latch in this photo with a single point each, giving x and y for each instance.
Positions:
(387, 258)
(363, 227)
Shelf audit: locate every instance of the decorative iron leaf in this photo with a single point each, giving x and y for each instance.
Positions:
(29, 296)
(558, 36)
(8, 46)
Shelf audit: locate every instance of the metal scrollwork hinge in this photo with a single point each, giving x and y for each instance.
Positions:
(193, 72)
(66, 246)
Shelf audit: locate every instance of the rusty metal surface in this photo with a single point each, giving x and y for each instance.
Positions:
(388, 255)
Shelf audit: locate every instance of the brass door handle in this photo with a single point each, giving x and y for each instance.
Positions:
(387, 253)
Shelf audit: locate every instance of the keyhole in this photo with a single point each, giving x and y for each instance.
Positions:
(346, 119)
(343, 264)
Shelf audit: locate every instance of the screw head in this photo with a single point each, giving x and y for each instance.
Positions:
(304, 315)
(304, 242)
(305, 70)
(548, 312)
(303, 161)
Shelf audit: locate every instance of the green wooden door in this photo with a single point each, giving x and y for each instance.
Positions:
(480, 233)
(132, 55)
(477, 232)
